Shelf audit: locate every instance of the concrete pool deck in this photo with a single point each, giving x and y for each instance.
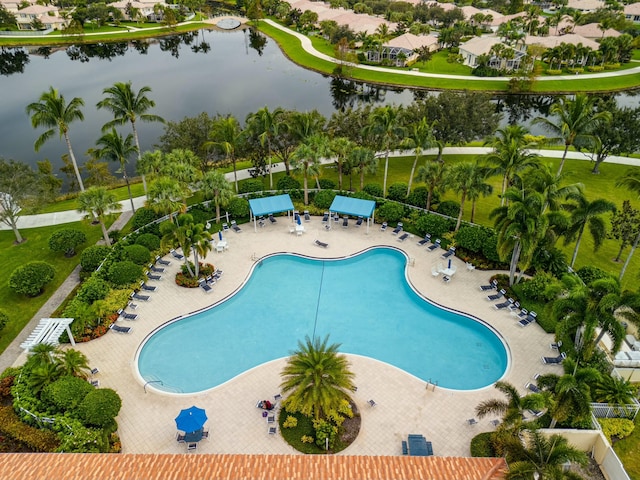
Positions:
(405, 404)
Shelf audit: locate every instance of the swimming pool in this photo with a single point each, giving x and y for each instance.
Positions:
(363, 302)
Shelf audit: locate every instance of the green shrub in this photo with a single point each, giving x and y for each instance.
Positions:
(100, 407)
(143, 216)
(66, 393)
(596, 68)
(398, 192)
(390, 212)
(307, 439)
(288, 183)
(418, 197)
(362, 195)
(436, 225)
(115, 235)
(77, 438)
(4, 319)
(324, 198)
(93, 289)
(490, 249)
(589, 273)
(149, 240)
(238, 207)
(124, 273)
(30, 279)
(539, 288)
(551, 259)
(616, 427)
(449, 208)
(553, 72)
(482, 446)
(473, 238)
(66, 240)
(290, 422)
(82, 315)
(373, 189)
(200, 215)
(324, 431)
(327, 184)
(138, 254)
(93, 256)
(39, 440)
(251, 185)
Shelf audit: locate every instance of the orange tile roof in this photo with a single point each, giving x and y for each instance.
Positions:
(82, 466)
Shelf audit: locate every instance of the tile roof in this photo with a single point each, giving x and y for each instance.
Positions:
(410, 41)
(80, 466)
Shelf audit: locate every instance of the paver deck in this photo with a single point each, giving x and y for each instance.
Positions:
(405, 404)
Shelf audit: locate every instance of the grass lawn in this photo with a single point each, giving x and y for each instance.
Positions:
(20, 308)
(627, 450)
(121, 193)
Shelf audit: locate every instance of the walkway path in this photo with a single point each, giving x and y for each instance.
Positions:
(69, 216)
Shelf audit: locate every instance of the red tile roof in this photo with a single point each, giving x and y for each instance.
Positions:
(83, 466)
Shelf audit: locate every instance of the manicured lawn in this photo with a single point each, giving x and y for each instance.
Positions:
(627, 450)
(19, 307)
(121, 193)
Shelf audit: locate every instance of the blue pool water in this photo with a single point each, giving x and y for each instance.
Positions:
(363, 303)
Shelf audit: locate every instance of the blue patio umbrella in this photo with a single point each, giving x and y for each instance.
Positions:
(449, 263)
(298, 220)
(220, 234)
(191, 419)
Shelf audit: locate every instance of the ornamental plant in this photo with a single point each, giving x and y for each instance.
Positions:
(30, 279)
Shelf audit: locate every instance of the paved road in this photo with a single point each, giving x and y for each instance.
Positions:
(69, 216)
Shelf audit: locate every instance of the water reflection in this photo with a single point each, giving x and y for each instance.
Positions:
(349, 93)
(13, 60)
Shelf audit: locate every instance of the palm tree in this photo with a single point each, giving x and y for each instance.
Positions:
(520, 225)
(513, 407)
(341, 147)
(128, 106)
(227, 135)
(614, 391)
(214, 185)
(467, 179)
(585, 213)
(316, 378)
(52, 111)
(478, 187)
(631, 180)
(575, 120)
(267, 125)
(432, 173)
(384, 124)
(510, 155)
(117, 149)
(97, 202)
(177, 235)
(75, 363)
(307, 159)
(200, 240)
(419, 137)
(543, 458)
(554, 188)
(363, 161)
(164, 196)
(151, 163)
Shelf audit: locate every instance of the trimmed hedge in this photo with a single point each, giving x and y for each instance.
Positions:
(138, 254)
(30, 279)
(93, 256)
(124, 273)
(100, 407)
(39, 440)
(149, 240)
(93, 289)
(66, 240)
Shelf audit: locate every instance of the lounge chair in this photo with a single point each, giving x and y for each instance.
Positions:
(272, 218)
(325, 217)
(532, 387)
(277, 397)
(151, 276)
(425, 240)
(321, 244)
(176, 254)
(405, 448)
(235, 226)
(493, 285)
(514, 306)
(139, 296)
(307, 217)
(336, 216)
(531, 318)
(449, 252)
(398, 229)
(345, 222)
(217, 274)
(372, 403)
(383, 227)
(556, 345)
(500, 306)
(95, 383)
(155, 269)
(127, 316)
(225, 227)
(496, 296)
(403, 237)
(554, 360)
(472, 421)
(119, 329)
(434, 245)
(162, 261)
(148, 288)
(202, 283)
(210, 280)
(94, 371)
(523, 313)
(359, 221)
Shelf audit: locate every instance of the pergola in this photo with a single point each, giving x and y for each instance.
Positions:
(355, 207)
(260, 207)
(48, 331)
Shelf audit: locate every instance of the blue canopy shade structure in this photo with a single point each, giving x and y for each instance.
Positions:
(264, 206)
(354, 207)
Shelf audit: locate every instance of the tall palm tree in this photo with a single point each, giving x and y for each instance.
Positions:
(544, 456)
(432, 173)
(267, 125)
(384, 124)
(227, 135)
(306, 158)
(341, 147)
(419, 137)
(510, 155)
(97, 202)
(520, 225)
(575, 119)
(200, 240)
(52, 111)
(151, 163)
(128, 106)
(631, 180)
(316, 378)
(554, 188)
(215, 186)
(117, 149)
(468, 180)
(511, 408)
(177, 235)
(363, 161)
(164, 196)
(585, 213)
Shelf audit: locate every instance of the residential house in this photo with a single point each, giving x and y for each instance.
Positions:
(48, 15)
(356, 22)
(146, 9)
(586, 6)
(401, 50)
(593, 31)
(632, 12)
(472, 50)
